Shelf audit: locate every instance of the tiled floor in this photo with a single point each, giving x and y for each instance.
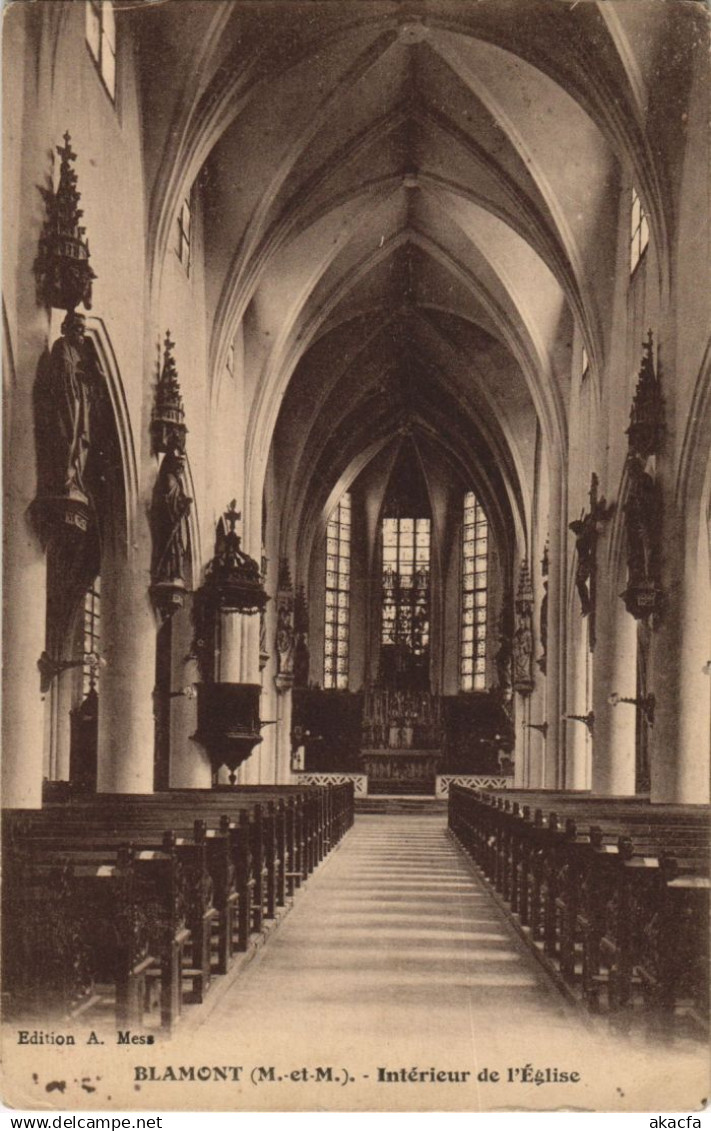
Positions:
(396, 957)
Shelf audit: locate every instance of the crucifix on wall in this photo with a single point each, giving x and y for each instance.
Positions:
(587, 529)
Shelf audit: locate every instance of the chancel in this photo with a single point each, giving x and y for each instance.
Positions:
(357, 383)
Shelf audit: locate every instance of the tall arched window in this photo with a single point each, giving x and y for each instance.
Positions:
(338, 593)
(101, 40)
(92, 637)
(639, 231)
(84, 717)
(406, 585)
(475, 547)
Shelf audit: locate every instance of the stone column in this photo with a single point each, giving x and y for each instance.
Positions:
(681, 678)
(521, 757)
(284, 775)
(128, 643)
(24, 560)
(694, 729)
(189, 764)
(62, 703)
(578, 743)
(555, 676)
(24, 593)
(615, 670)
(529, 768)
(282, 705)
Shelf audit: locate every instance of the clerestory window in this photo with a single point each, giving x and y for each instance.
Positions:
(584, 365)
(101, 40)
(183, 235)
(639, 233)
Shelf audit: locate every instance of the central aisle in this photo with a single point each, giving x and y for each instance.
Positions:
(396, 934)
(397, 957)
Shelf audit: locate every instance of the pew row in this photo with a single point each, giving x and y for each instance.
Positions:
(151, 897)
(613, 892)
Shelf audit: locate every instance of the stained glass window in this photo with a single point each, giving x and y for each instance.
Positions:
(183, 234)
(92, 637)
(475, 549)
(338, 594)
(406, 583)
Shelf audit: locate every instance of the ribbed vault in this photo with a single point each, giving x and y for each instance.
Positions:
(388, 219)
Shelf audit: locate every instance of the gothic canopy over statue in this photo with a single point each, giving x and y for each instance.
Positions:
(64, 403)
(64, 273)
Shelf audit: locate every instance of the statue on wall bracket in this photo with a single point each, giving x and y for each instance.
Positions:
(643, 596)
(170, 506)
(503, 658)
(64, 390)
(301, 639)
(285, 639)
(542, 660)
(522, 644)
(64, 431)
(264, 652)
(587, 530)
(67, 402)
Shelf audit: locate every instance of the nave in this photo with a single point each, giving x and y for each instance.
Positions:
(399, 957)
(403, 960)
(359, 444)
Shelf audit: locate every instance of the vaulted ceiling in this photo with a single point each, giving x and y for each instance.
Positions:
(408, 208)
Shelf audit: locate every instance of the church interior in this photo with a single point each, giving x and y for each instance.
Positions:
(357, 521)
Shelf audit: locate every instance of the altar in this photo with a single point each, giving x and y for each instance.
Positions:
(401, 771)
(402, 740)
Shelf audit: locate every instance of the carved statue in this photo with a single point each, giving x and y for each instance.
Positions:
(522, 652)
(522, 642)
(542, 660)
(263, 653)
(585, 531)
(301, 639)
(285, 638)
(169, 511)
(503, 656)
(68, 432)
(643, 522)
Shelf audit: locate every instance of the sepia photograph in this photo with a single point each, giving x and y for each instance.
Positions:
(356, 718)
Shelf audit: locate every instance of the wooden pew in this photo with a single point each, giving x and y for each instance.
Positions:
(54, 837)
(308, 821)
(200, 887)
(257, 833)
(76, 918)
(589, 879)
(651, 931)
(281, 828)
(228, 858)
